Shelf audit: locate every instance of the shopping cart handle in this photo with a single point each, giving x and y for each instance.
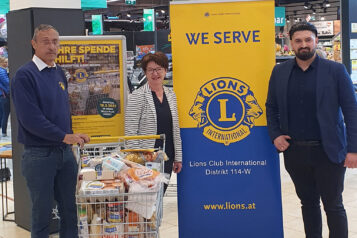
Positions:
(119, 138)
(142, 137)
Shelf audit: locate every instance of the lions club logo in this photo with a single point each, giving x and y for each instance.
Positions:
(226, 109)
(80, 75)
(62, 85)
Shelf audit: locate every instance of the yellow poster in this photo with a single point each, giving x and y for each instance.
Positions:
(223, 54)
(204, 49)
(95, 74)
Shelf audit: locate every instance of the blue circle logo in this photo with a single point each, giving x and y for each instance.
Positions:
(226, 109)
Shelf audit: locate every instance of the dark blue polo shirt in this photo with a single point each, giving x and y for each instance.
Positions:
(302, 114)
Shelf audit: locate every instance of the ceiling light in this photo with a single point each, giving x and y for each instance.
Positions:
(306, 5)
(162, 11)
(313, 11)
(326, 3)
(128, 15)
(322, 18)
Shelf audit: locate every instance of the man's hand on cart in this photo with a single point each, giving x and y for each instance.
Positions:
(177, 167)
(77, 138)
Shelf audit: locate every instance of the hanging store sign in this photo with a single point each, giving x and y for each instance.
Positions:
(230, 181)
(279, 16)
(97, 24)
(93, 4)
(95, 69)
(4, 6)
(149, 20)
(130, 2)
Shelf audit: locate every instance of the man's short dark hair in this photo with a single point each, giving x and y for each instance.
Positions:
(42, 27)
(302, 26)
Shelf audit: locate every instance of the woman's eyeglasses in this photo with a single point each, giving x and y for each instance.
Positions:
(157, 70)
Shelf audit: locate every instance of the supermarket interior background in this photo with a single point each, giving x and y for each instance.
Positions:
(146, 26)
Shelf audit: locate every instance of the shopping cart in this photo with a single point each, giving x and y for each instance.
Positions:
(116, 211)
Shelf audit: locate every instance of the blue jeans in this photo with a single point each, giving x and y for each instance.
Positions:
(315, 177)
(5, 108)
(51, 173)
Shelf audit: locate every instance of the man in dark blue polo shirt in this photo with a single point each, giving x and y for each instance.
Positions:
(312, 118)
(39, 91)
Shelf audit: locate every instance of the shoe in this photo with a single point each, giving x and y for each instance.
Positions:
(4, 135)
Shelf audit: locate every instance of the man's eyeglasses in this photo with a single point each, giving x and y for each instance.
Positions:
(49, 42)
(157, 70)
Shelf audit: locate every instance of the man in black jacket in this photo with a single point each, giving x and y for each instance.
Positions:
(306, 99)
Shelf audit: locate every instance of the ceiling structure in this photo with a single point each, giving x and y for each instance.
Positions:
(119, 16)
(327, 10)
(121, 9)
(296, 10)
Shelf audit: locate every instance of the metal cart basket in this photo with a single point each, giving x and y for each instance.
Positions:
(118, 211)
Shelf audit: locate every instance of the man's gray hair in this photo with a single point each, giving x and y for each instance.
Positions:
(42, 27)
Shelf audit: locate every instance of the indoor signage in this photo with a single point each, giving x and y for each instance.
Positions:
(324, 28)
(95, 71)
(97, 24)
(230, 180)
(4, 6)
(130, 2)
(279, 16)
(149, 20)
(93, 4)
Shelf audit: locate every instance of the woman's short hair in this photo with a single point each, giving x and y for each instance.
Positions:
(158, 57)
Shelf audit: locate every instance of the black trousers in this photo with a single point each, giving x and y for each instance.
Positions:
(315, 177)
(168, 169)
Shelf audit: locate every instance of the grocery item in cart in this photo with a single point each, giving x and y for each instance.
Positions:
(83, 222)
(142, 173)
(136, 158)
(153, 165)
(85, 160)
(115, 212)
(142, 200)
(106, 174)
(134, 225)
(113, 230)
(90, 188)
(95, 162)
(88, 174)
(95, 229)
(141, 156)
(113, 164)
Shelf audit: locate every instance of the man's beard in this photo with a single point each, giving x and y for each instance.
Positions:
(306, 55)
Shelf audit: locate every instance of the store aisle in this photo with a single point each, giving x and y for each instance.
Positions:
(293, 226)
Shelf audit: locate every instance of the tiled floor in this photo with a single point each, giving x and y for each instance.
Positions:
(293, 226)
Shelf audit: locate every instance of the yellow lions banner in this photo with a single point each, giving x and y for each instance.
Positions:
(223, 54)
(95, 72)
